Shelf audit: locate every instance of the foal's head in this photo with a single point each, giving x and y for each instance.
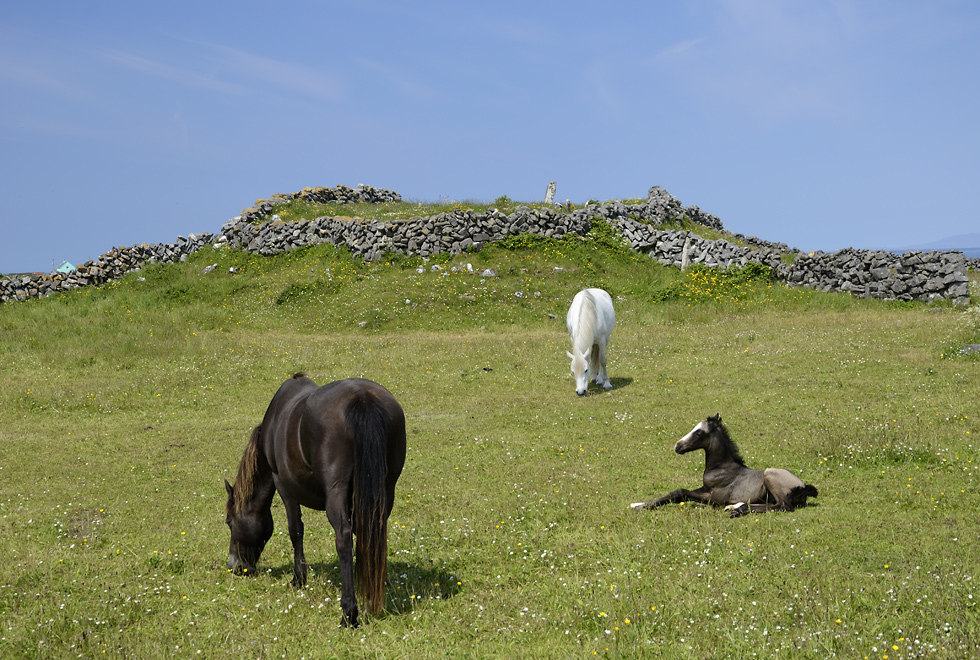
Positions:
(708, 435)
(580, 370)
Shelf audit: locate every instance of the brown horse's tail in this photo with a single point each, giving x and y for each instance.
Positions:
(370, 421)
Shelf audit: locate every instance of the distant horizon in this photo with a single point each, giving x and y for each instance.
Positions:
(968, 244)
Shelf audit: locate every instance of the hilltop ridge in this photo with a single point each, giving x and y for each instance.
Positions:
(658, 226)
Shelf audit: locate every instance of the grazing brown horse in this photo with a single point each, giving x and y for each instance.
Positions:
(338, 448)
(728, 482)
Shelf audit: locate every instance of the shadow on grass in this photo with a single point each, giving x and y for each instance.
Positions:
(408, 583)
(617, 383)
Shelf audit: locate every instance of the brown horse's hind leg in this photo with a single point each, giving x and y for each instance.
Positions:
(340, 518)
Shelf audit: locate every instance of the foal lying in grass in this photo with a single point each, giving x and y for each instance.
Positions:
(728, 482)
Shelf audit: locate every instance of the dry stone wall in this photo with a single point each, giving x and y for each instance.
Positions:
(451, 232)
(925, 276)
(445, 232)
(340, 195)
(915, 275)
(110, 266)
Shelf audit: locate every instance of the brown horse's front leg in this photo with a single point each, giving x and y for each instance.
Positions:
(294, 516)
(675, 497)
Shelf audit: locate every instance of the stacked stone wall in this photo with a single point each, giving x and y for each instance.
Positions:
(914, 275)
(925, 276)
(110, 266)
(264, 208)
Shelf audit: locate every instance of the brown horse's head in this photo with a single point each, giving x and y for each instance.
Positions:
(250, 529)
(249, 521)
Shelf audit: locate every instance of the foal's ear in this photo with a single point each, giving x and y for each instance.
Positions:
(570, 356)
(716, 419)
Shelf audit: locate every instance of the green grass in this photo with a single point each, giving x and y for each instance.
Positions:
(296, 209)
(124, 407)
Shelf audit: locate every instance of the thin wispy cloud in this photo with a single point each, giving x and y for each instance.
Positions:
(769, 61)
(174, 74)
(226, 70)
(679, 49)
(310, 81)
(406, 84)
(39, 79)
(38, 66)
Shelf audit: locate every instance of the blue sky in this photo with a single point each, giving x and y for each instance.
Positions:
(820, 124)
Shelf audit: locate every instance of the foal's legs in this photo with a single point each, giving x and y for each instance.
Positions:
(779, 484)
(676, 496)
(294, 516)
(741, 508)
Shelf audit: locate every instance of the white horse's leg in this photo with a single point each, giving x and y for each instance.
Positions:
(594, 364)
(602, 377)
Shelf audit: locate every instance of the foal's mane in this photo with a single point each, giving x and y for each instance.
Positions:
(585, 328)
(247, 469)
(719, 428)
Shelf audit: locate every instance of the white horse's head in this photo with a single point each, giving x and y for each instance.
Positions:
(580, 370)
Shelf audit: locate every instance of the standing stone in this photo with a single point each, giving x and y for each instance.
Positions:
(549, 197)
(684, 253)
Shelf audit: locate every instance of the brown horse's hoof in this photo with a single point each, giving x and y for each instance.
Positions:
(349, 620)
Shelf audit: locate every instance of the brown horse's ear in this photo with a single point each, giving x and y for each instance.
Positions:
(229, 488)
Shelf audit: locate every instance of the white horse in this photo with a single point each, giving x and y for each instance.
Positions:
(590, 320)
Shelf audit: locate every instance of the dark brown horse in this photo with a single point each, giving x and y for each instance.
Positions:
(338, 448)
(728, 482)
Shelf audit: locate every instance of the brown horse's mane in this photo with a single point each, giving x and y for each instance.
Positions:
(247, 469)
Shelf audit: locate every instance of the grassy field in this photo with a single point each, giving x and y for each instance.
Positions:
(124, 407)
